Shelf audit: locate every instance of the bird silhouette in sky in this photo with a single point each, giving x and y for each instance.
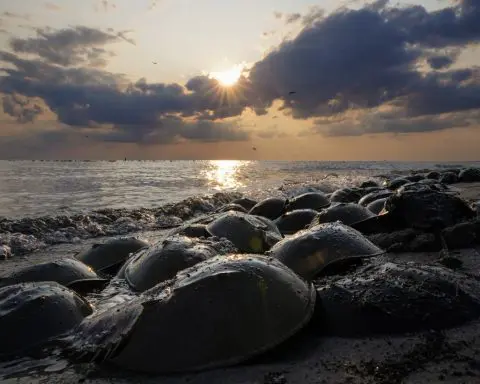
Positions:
(292, 92)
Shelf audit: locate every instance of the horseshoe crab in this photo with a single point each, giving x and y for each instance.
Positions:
(422, 209)
(376, 206)
(163, 260)
(448, 178)
(245, 202)
(397, 183)
(347, 213)
(469, 175)
(346, 195)
(294, 221)
(309, 200)
(393, 298)
(232, 207)
(372, 196)
(309, 251)
(67, 272)
(109, 257)
(34, 313)
(271, 208)
(191, 230)
(243, 306)
(247, 232)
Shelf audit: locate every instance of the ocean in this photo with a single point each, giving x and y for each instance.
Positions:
(50, 202)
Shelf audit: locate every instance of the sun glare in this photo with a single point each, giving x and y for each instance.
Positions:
(229, 77)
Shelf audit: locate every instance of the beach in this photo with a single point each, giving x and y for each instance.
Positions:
(450, 356)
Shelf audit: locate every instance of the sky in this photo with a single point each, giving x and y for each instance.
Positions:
(263, 79)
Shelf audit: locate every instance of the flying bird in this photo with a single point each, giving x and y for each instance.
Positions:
(292, 92)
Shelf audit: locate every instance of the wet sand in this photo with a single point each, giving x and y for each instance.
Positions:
(452, 356)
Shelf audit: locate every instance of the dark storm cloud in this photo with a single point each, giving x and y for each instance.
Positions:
(141, 112)
(367, 57)
(69, 46)
(350, 60)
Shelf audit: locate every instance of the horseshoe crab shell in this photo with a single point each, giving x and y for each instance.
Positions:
(372, 196)
(34, 313)
(190, 230)
(309, 200)
(422, 209)
(110, 256)
(346, 195)
(393, 298)
(63, 271)
(309, 251)
(270, 208)
(245, 202)
(294, 221)
(163, 260)
(247, 232)
(232, 207)
(377, 206)
(242, 305)
(347, 213)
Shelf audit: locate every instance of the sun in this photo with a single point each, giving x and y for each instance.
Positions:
(229, 77)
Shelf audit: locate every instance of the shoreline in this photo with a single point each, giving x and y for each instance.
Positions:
(449, 356)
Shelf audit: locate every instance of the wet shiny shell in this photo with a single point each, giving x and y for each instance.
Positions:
(33, 313)
(232, 207)
(469, 175)
(190, 230)
(270, 208)
(294, 221)
(309, 251)
(372, 196)
(309, 200)
(346, 195)
(163, 260)
(245, 202)
(397, 183)
(448, 178)
(425, 209)
(110, 256)
(247, 232)
(376, 206)
(395, 298)
(218, 313)
(63, 271)
(347, 213)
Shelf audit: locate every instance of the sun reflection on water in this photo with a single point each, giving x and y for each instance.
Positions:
(225, 174)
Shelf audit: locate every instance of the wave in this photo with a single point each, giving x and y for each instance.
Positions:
(29, 234)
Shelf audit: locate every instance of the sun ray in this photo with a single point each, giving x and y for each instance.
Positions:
(228, 77)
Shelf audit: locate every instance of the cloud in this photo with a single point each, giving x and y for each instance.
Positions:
(69, 46)
(52, 7)
(141, 112)
(353, 72)
(368, 57)
(21, 108)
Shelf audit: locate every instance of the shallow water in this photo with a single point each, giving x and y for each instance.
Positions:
(107, 198)
(40, 188)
